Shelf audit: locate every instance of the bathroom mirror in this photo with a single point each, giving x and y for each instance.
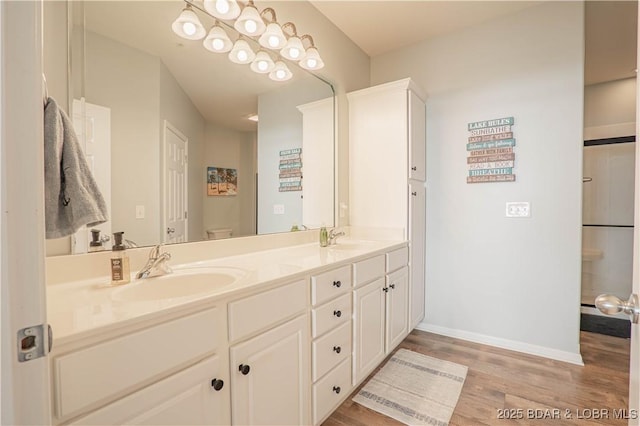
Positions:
(140, 95)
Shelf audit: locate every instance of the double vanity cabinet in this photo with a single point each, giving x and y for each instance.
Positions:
(284, 351)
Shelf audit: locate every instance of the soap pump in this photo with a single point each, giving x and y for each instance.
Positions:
(324, 237)
(120, 273)
(96, 242)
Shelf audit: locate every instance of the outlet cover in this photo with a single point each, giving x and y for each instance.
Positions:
(278, 209)
(518, 209)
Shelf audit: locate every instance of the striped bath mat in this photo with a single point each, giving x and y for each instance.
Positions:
(415, 389)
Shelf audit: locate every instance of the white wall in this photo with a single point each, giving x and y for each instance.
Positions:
(127, 80)
(280, 128)
(610, 109)
(177, 109)
(234, 150)
(510, 282)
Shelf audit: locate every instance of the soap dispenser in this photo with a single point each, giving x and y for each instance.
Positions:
(96, 243)
(324, 237)
(120, 273)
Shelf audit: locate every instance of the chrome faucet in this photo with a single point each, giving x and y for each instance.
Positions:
(156, 265)
(334, 234)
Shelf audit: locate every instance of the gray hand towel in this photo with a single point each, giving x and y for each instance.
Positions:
(72, 197)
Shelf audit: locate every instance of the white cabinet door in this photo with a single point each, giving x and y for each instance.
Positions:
(270, 376)
(397, 308)
(417, 209)
(369, 328)
(417, 137)
(190, 397)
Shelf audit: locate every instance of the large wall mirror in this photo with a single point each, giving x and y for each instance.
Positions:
(143, 99)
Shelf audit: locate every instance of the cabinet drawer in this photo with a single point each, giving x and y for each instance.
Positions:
(330, 315)
(397, 259)
(330, 284)
(368, 270)
(184, 398)
(331, 390)
(105, 370)
(254, 313)
(329, 350)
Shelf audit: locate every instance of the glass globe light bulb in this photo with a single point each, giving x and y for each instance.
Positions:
(250, 26)
(312, 63)
(242, 55)
(218, 44)
(281, 74)
(189, 28)
(262, 65)
(295, 53)
(222, 6)
(273, 41)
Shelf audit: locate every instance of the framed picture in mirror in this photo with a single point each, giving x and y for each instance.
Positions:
(222, 181)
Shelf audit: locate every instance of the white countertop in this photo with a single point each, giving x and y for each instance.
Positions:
(82, 308)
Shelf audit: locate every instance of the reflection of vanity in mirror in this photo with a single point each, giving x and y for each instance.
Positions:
(141, 95)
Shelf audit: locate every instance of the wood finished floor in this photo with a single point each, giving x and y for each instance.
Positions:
(500, 379)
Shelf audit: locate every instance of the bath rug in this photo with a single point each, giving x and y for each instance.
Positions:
(414, 389)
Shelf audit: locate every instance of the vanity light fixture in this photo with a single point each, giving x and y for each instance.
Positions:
(250, 22)
(259, 26)
(280, 72)
(293, 50)
(262, 63)
(273, 37)
(187, 25)
(222, 9)
(241, 53)
(312, 60)
(217, 40)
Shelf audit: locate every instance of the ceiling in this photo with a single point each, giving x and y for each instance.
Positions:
(383, 26)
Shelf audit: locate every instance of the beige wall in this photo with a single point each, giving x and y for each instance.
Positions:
(610, 109)
(522, 275)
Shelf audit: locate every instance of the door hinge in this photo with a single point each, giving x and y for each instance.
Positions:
(185, 215)
(34, 342)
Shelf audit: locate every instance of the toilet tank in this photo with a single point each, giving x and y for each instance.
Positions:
(219, 234)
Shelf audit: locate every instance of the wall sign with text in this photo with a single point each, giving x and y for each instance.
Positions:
(290, 170)
(490, 151)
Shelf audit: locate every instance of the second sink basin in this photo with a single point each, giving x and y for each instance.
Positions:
(181, 283)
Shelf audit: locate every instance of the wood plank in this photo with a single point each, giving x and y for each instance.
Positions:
(500, 379)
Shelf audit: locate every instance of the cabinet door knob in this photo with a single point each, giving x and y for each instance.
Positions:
(244, 369)
(415, 194)
(337, 313)
(392, 286)
(217, 384)
(336, 389)
(337, 284)
(385, 289)
(414, 168)
(337, 349)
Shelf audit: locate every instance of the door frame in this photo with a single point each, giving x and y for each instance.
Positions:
(167, 126)
(25, 397)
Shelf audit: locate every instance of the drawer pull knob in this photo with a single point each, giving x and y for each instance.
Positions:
(336, 389)
(385, 289)
(337, 313)
(414, 168)
(337, 349)
(244, 369)
(415, 194)
(392, 286)
(337, 284)
(217, 384)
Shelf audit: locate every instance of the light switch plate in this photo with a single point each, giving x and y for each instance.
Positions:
(278, 209)
(518, 209)
(139, 212)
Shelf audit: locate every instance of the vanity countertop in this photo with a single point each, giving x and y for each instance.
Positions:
(80, 309)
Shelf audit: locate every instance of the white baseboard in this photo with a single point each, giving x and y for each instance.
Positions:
(570, 357)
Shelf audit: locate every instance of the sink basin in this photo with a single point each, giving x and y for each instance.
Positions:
(187, 282)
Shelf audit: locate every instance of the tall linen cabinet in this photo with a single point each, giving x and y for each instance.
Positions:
(387, 156)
